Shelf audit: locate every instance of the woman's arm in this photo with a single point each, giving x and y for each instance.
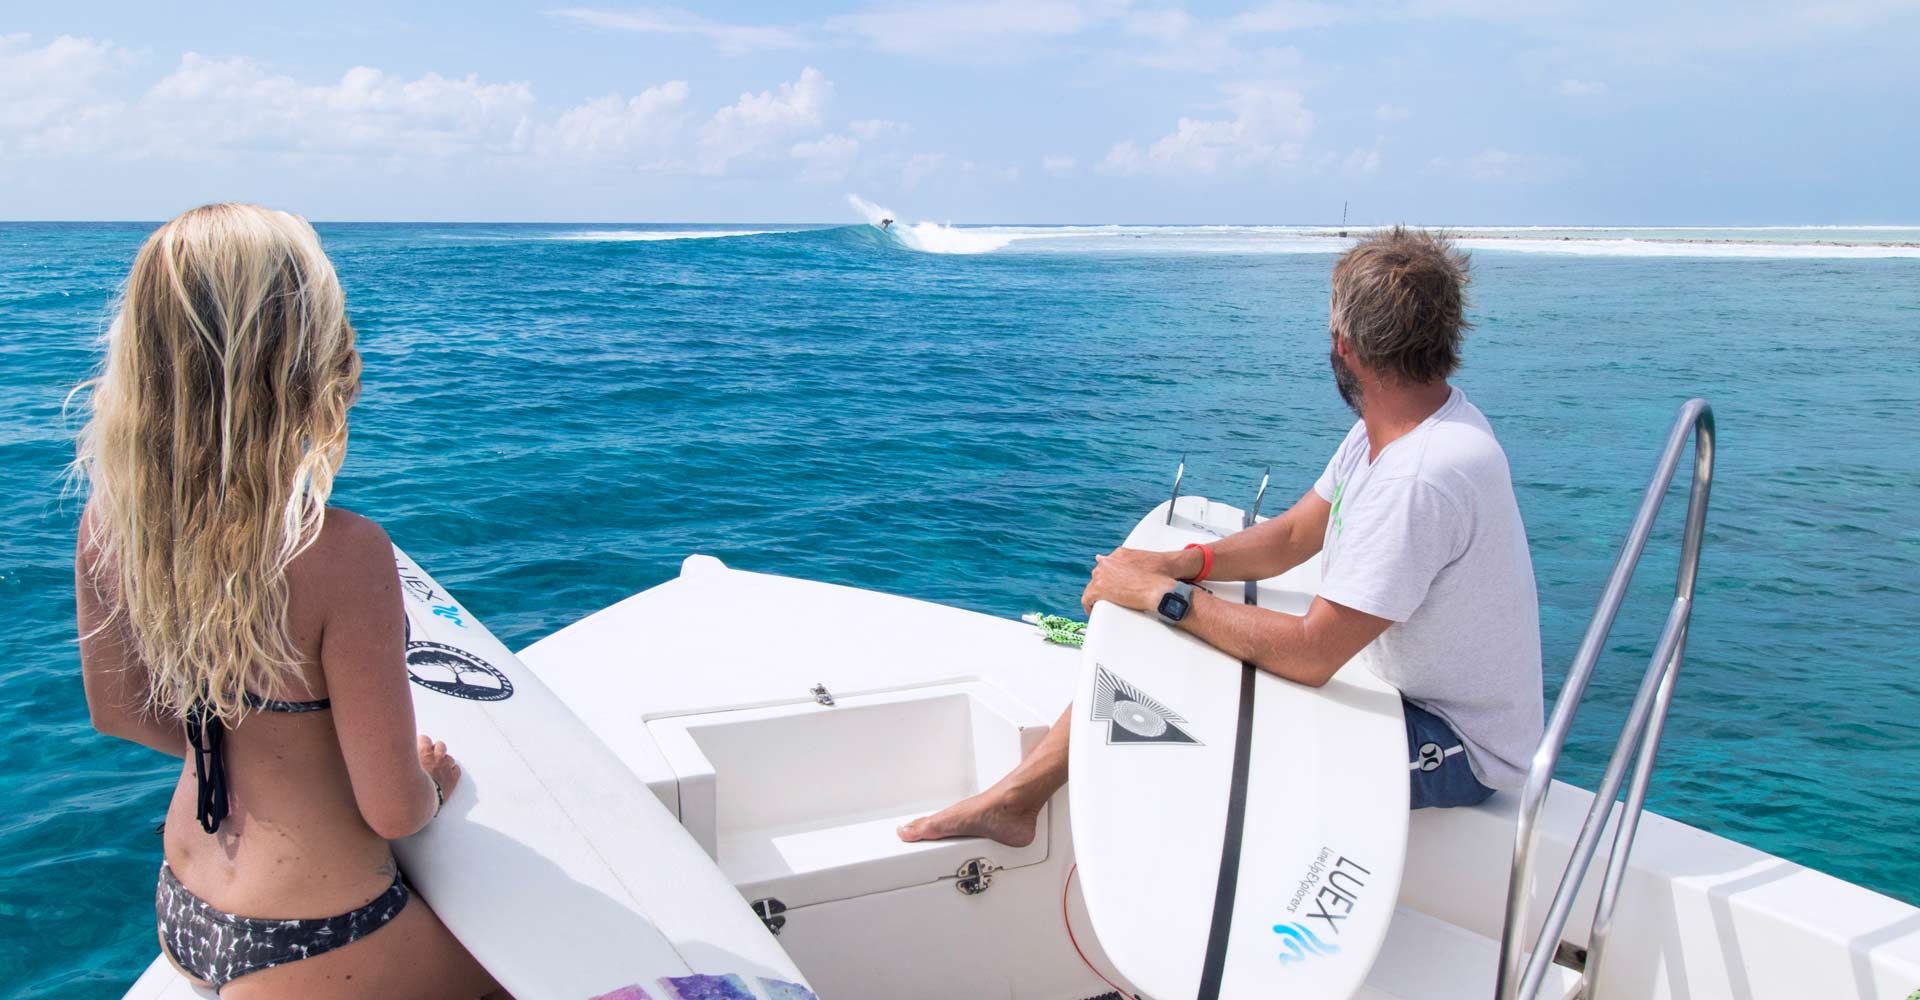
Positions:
(114, 675)
(363, 654)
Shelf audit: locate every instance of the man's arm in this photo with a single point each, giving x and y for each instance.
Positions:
(1272, 547)
(1265, 550)
(1307, 650)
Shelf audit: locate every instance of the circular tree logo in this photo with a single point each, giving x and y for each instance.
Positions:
(451, 670)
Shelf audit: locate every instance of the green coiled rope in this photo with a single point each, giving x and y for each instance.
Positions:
(1054, 628)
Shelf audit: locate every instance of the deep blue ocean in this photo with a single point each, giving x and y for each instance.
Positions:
(554, 416)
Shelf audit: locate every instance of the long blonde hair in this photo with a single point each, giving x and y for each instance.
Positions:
(217, 426)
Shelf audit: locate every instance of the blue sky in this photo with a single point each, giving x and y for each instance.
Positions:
(1430, 111)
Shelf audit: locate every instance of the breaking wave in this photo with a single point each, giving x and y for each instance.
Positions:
(654, 235)
(1799, 242)
(931, 237)
(883, 230)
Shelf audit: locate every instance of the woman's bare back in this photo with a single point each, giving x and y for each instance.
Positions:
(294, 843)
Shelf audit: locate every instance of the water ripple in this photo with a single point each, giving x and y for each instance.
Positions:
(551, 424)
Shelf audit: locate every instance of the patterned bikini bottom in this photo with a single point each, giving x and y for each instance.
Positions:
(219, 947)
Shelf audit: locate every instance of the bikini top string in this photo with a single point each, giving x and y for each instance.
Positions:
(207, 736)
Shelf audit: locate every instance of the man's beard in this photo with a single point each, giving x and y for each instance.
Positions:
(1347, 382)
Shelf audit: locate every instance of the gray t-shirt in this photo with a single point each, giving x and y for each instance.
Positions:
(1428, 536)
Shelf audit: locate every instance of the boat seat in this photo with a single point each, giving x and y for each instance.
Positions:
(1426, 958)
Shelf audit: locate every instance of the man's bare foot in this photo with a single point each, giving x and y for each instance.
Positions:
(987, 814)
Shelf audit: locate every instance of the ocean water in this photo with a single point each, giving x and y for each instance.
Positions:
(555, 415)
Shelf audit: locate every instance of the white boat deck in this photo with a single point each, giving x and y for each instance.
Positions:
(1701, 916)
(703, 686)
(1426, 957)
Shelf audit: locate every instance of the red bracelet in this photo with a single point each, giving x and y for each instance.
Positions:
(1206, 561)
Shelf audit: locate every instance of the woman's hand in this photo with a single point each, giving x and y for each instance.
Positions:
(439, 765)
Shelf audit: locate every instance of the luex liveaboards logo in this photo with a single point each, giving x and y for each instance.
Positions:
(1325, 897)
(437, 666)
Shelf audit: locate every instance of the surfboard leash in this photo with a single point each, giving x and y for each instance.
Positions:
(1058, 629)
(1067, 918)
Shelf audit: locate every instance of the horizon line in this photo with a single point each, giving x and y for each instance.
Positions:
(971, 225)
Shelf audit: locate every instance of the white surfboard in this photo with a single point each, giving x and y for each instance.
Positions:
(1239, 836)
(552, 862)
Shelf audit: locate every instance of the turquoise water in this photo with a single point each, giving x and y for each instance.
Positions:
(555, 415)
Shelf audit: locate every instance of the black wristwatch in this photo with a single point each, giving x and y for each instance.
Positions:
(1175, 603)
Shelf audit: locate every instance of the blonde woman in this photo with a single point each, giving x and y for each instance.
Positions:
(229, 617)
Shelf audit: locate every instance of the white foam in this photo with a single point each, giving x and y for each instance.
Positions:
(874, 214)
(1627, 247)
(932, 237)
(652, 235)
(1802, 242)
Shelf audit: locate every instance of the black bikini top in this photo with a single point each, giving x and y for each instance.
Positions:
(207, 736)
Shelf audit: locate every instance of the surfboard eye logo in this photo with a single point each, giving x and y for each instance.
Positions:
(453, 671)
(1133, 717)
(1301, 943)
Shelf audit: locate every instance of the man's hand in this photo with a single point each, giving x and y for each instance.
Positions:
(1130, 578)
(1181, 565)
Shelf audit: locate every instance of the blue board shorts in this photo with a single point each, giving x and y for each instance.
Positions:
(1437, 770)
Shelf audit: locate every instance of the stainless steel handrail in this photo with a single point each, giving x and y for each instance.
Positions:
(1520, 975)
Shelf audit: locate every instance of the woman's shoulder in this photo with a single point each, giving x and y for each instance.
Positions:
(351, 547)
(345, 529)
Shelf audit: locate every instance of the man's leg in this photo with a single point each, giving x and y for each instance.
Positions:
(1008, 811)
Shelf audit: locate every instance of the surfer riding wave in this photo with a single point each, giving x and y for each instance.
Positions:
(932, 237)
(1423, 556)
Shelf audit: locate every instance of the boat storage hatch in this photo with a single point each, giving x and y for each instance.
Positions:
(799, 802)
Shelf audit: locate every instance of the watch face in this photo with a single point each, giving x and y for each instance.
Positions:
(1173, 606)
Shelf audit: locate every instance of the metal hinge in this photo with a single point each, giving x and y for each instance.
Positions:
(976, 876)
(770, 910)
(822, 695)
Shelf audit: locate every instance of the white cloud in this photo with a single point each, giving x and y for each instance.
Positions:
(51, 96)
(1391, 113)
(829, 157)
(758, 122)
(1058, 164)
(51, 102)
(919, 167)
(236, 104)
(1182, 42)
(1268, 128)
(1582, 88)
(1005, 173)
(615, 128)
(1173, 40)
(876, 128)
(1494, 164)
(733, 39)
(1854, 14)
(962, 29)
(1490, 10)
(1363, 161)
(1289, 15)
